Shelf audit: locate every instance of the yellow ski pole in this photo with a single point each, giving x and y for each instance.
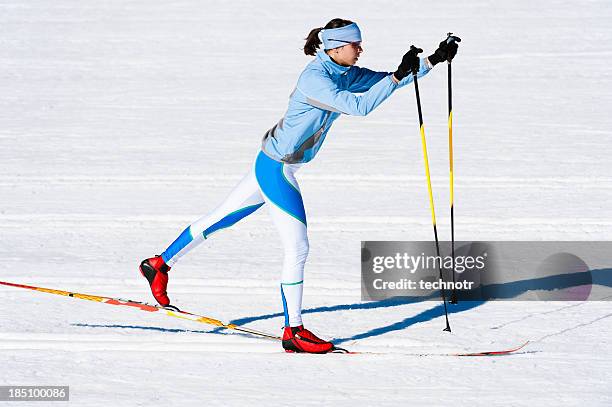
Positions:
(451, 38)
(431, 200)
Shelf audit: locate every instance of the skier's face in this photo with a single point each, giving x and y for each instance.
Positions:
(347, 55)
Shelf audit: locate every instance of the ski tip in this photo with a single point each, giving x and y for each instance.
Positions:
(171, 308)
(494, 353)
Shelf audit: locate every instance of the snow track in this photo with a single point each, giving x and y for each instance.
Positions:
(102, 343)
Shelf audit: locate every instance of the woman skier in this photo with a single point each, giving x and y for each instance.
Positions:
(326, 88)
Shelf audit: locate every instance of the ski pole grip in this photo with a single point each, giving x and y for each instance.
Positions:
(452, 38)
(416, 51)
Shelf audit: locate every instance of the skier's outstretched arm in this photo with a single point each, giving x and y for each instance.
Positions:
(363, 79)
(322, 92)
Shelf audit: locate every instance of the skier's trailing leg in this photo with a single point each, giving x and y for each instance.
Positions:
(329, 86)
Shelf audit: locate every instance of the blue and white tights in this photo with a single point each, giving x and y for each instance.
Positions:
(270, 182)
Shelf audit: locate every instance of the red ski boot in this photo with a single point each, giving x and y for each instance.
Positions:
(300, 340)
(155, 270)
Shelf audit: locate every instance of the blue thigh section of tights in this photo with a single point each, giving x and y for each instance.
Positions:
(277, 188)
(273, 184)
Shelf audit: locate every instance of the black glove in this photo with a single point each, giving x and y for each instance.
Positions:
(410, 63)
(446, 50)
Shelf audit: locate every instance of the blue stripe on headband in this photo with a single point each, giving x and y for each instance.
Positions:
(339, 37)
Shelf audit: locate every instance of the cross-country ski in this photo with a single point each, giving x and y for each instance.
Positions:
(175, 312)
(168, 310)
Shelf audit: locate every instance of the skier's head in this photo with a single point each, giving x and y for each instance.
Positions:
(341, 41)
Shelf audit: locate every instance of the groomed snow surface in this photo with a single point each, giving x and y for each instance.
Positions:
(121, 122)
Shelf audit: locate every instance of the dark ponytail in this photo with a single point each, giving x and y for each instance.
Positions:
(313, 41)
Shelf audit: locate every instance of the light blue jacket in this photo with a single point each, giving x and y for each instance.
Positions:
(323, 92)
